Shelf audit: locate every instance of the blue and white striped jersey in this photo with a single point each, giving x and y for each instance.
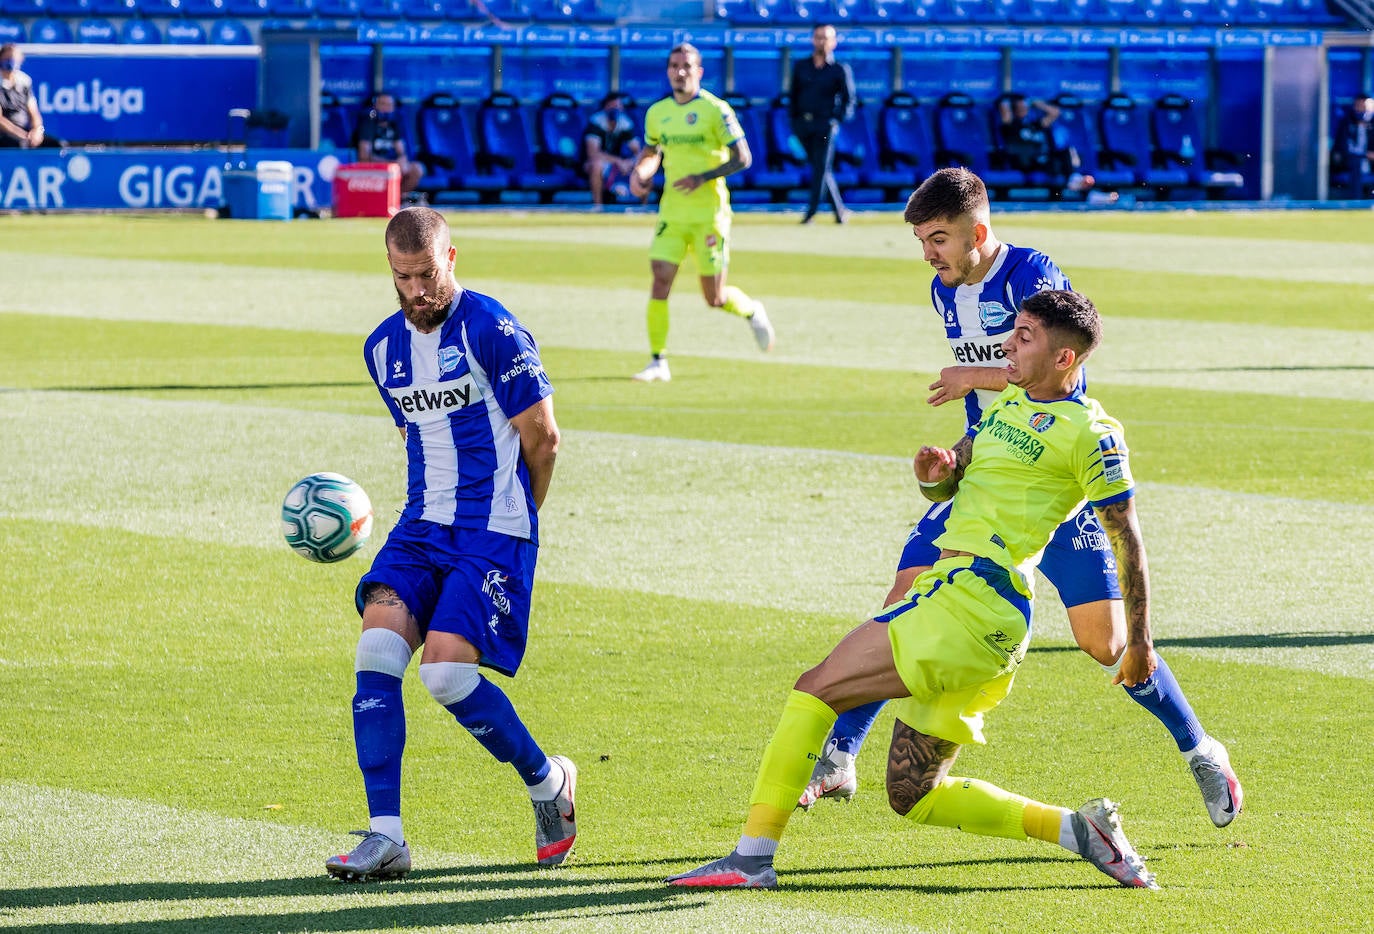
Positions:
(978, 317)
(454, 391)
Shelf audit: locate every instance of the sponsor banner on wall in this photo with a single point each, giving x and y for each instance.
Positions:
(73, 179)
(119, 94)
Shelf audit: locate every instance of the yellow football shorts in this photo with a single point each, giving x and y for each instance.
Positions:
(708, 241)
(957, 641)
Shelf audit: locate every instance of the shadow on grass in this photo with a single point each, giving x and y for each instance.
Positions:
(526, 895)
(1251, 640)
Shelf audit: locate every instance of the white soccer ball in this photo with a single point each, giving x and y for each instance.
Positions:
(326, 517)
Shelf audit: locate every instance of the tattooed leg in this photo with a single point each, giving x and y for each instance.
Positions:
(916, 763)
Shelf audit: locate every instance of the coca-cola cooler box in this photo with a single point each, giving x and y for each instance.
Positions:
(367, 189)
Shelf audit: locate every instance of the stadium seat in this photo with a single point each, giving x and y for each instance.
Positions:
(904, 145)
(50, 31)
(140, 32)
(1076, 128)
(894, 12)
(70, 8)
(383, 10)
(267, 129)
(185, 32)
(229, 32)
(559, 127)
(742, 13)
(448, 152)
(116, 8)
(291, 9)
(11, 30)
(859, 168)
(336, 123)
(767, 172)
(1126, 146)
(809, 12)
(1179, 145)
(246, 9)
(423, 9)
(26, 8)
(337, 9)
(206, 8)
(515, 12)
(777, 126)
(980, 12)
(963, 138)
(504, 143)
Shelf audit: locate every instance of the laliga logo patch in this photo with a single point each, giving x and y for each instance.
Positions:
(1041, 422)
(449, 358)
(992, 315)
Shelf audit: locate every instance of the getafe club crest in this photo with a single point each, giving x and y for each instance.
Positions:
(690, 118)
(1041, 422)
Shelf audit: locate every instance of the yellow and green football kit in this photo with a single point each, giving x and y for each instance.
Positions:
(960, 635)
(693, 138)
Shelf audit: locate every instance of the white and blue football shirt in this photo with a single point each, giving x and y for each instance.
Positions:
(454, 391)
(978, 317)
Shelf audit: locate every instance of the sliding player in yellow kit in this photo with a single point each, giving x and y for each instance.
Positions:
(698, 140)
(951, 649)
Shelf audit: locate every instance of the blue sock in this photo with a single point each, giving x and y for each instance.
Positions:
(1162, 696)
(379, 732)
(852, 727)
(488, 715)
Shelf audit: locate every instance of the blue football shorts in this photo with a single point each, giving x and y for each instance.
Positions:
(1078, 561)
(470, 582)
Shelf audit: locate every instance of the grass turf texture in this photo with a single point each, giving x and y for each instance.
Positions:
(176, 754)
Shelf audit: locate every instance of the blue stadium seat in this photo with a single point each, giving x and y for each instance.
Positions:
(140, 32)
(114, 7)
(857, 147)
(1126, 145)
(246, 9)
(448, 151)
(559, 128)
(904, 145)
(380, 9)
(963, 138)
(1046, 12)
(337, 9)
(291, 9)
(185, 32)
(504, 142)
(47, 31)
(206, 8)
(1179, 144)
(1115, 11)
(981, 12)
(777, 126)
(27, 8)
(742, 13)
(68, 7)
(11, 30)
(767, 172)
(809, 12)
(229, 32)
(507, 11)
(336, 123)
(1076, 128)
(418, 9)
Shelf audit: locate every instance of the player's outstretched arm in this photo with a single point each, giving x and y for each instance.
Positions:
(939, 470)
(1122, 526)
(955, 382)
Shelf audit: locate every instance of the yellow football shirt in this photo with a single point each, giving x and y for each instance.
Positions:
(694, 138)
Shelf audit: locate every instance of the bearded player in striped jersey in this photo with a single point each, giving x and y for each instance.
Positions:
(463, 382)
(979, 283)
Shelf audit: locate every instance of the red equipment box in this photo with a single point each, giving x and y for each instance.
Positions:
(367, 189)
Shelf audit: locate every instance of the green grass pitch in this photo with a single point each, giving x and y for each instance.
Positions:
(175, 740)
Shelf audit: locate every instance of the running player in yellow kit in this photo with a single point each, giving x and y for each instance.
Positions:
(952, 648)
(697, 138)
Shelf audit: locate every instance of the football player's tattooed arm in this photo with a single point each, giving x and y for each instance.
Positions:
(739, 159)
(939, 470)
(1122, 526)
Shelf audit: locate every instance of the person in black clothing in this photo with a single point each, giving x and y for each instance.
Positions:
(382, 139)
(21, 125)
(822, 97)
(1029, 141)
(611, 145)
(1353, 152)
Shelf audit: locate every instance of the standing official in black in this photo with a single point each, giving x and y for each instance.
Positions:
(822, 98)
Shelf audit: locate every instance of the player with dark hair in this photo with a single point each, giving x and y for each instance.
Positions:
(463, 382)
(952, 647)
(979, 283)
(610, 145)
(697, 139)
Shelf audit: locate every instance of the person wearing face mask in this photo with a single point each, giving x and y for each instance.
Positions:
(1353, 152)
(611, 146)
(21, 125)
(382, 139)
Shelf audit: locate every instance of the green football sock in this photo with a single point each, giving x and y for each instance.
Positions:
(787, 763)
(737, 303)
(658, 326)
(973, 806)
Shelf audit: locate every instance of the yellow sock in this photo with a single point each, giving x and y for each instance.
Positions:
(737, 303)
(1042, 821)
(973, 806)
(658, 325)
(787, 764)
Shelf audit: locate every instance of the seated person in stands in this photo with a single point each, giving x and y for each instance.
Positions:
(380, 138)
(1353, 151)
(1031, 144)
(611, 146)
(21, 125)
